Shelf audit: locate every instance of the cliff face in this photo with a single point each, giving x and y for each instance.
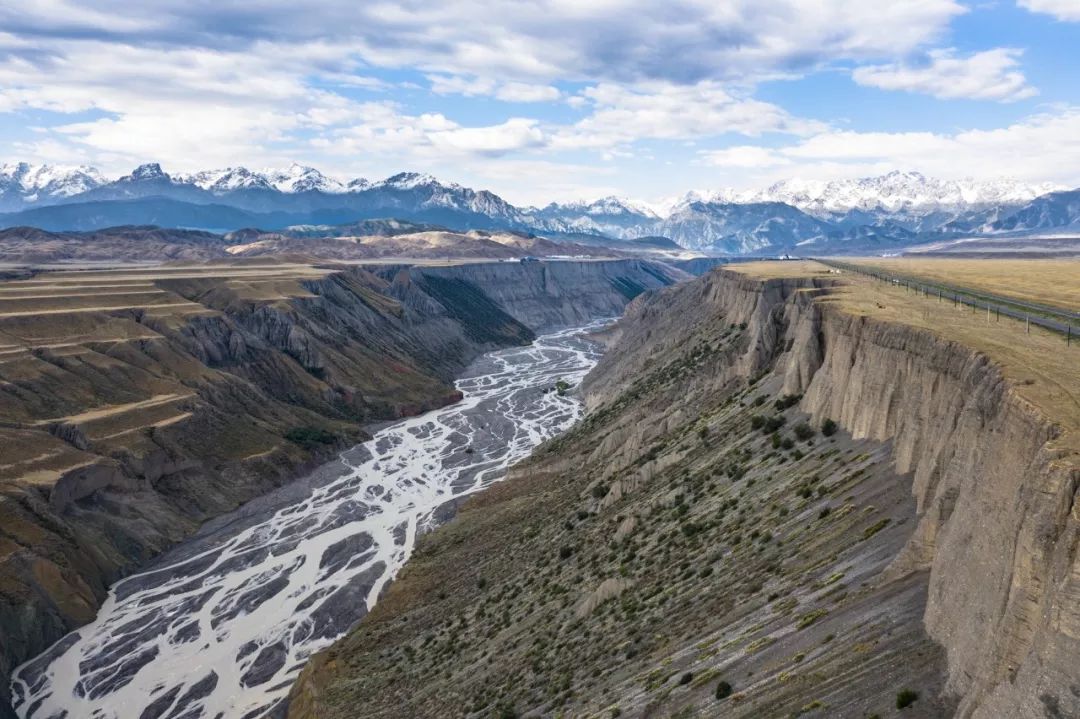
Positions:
(997, 523)
(961, 581)
(997, 526)
(123, 428)
(544, 295)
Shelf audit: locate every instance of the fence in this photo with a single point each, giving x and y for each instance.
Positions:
(1050, 318)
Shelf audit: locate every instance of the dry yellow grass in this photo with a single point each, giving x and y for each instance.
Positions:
(1042, 369)
(786, 269)
(1049, 282)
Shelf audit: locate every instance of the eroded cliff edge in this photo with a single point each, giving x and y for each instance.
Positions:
(997, 522)
(123, 428)
(982, 562)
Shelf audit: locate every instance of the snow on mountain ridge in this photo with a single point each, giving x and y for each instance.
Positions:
(895, 192)
(35, 181)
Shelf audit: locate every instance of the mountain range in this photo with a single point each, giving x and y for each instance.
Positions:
(888, 211)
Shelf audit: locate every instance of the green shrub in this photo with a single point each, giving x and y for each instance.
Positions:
(600, 491)
(565, 552)
(686, 678)
(804, 431)
(788, 400)
(309, 437)
(757, 421)
(773, 423)
(723, 690)
(787, 443)
(905, 698)
(828, 428)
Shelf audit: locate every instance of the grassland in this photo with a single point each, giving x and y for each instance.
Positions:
(1049, 282)
(1043, 369)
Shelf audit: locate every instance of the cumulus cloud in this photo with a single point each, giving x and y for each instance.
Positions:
(621, 115)
(988, 75)
(1066, 10)
(1042, 147)
(507, 91)
(678, 41)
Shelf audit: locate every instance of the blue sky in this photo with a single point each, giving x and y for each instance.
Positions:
(545, 100)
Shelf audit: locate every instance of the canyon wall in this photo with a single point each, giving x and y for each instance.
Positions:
(997, 526)
(938, 553)
(124, 429)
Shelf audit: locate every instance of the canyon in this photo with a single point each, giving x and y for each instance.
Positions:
(140, 402)
(790, 496)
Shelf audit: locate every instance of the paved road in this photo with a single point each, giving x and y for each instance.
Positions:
(1051, 318)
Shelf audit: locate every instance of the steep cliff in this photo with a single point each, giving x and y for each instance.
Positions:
(137, 404)
(923, 554)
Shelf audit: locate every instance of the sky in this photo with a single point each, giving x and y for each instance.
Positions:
(550, 100)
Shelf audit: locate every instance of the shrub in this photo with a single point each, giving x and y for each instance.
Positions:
(309, 437)
(723, 690)
(804, 431)
(828, 428)
(823, 513)
(600, 491)
(565, 552)
(773, 423)
(905, 698)
(787, 443)
(686, 678)
(757, 421)
(788, 400)
(776, 441)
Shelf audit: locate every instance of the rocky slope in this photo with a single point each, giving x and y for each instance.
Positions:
(127, 424)
(705, 543)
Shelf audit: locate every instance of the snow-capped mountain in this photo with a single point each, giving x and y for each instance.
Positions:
(1053, 213)
(22, 183)
(741, 228)
(612, 216)
(228, 179)
(301, 178)
(897, 194)
(896, 209)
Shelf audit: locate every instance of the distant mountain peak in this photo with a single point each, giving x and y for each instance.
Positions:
(302, 178)
(409, 180)
(144, 172)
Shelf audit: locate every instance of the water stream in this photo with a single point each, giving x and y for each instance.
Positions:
(222, 625)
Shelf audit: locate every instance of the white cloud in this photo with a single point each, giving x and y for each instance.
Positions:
(987, 75)
(621, 115)
(507, 91)
(514, 134)
(1043, 147)
(745, 156)
(525, 92)
(682, 41)
(1066, 10)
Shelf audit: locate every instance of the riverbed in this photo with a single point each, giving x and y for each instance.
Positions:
(222, 625)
